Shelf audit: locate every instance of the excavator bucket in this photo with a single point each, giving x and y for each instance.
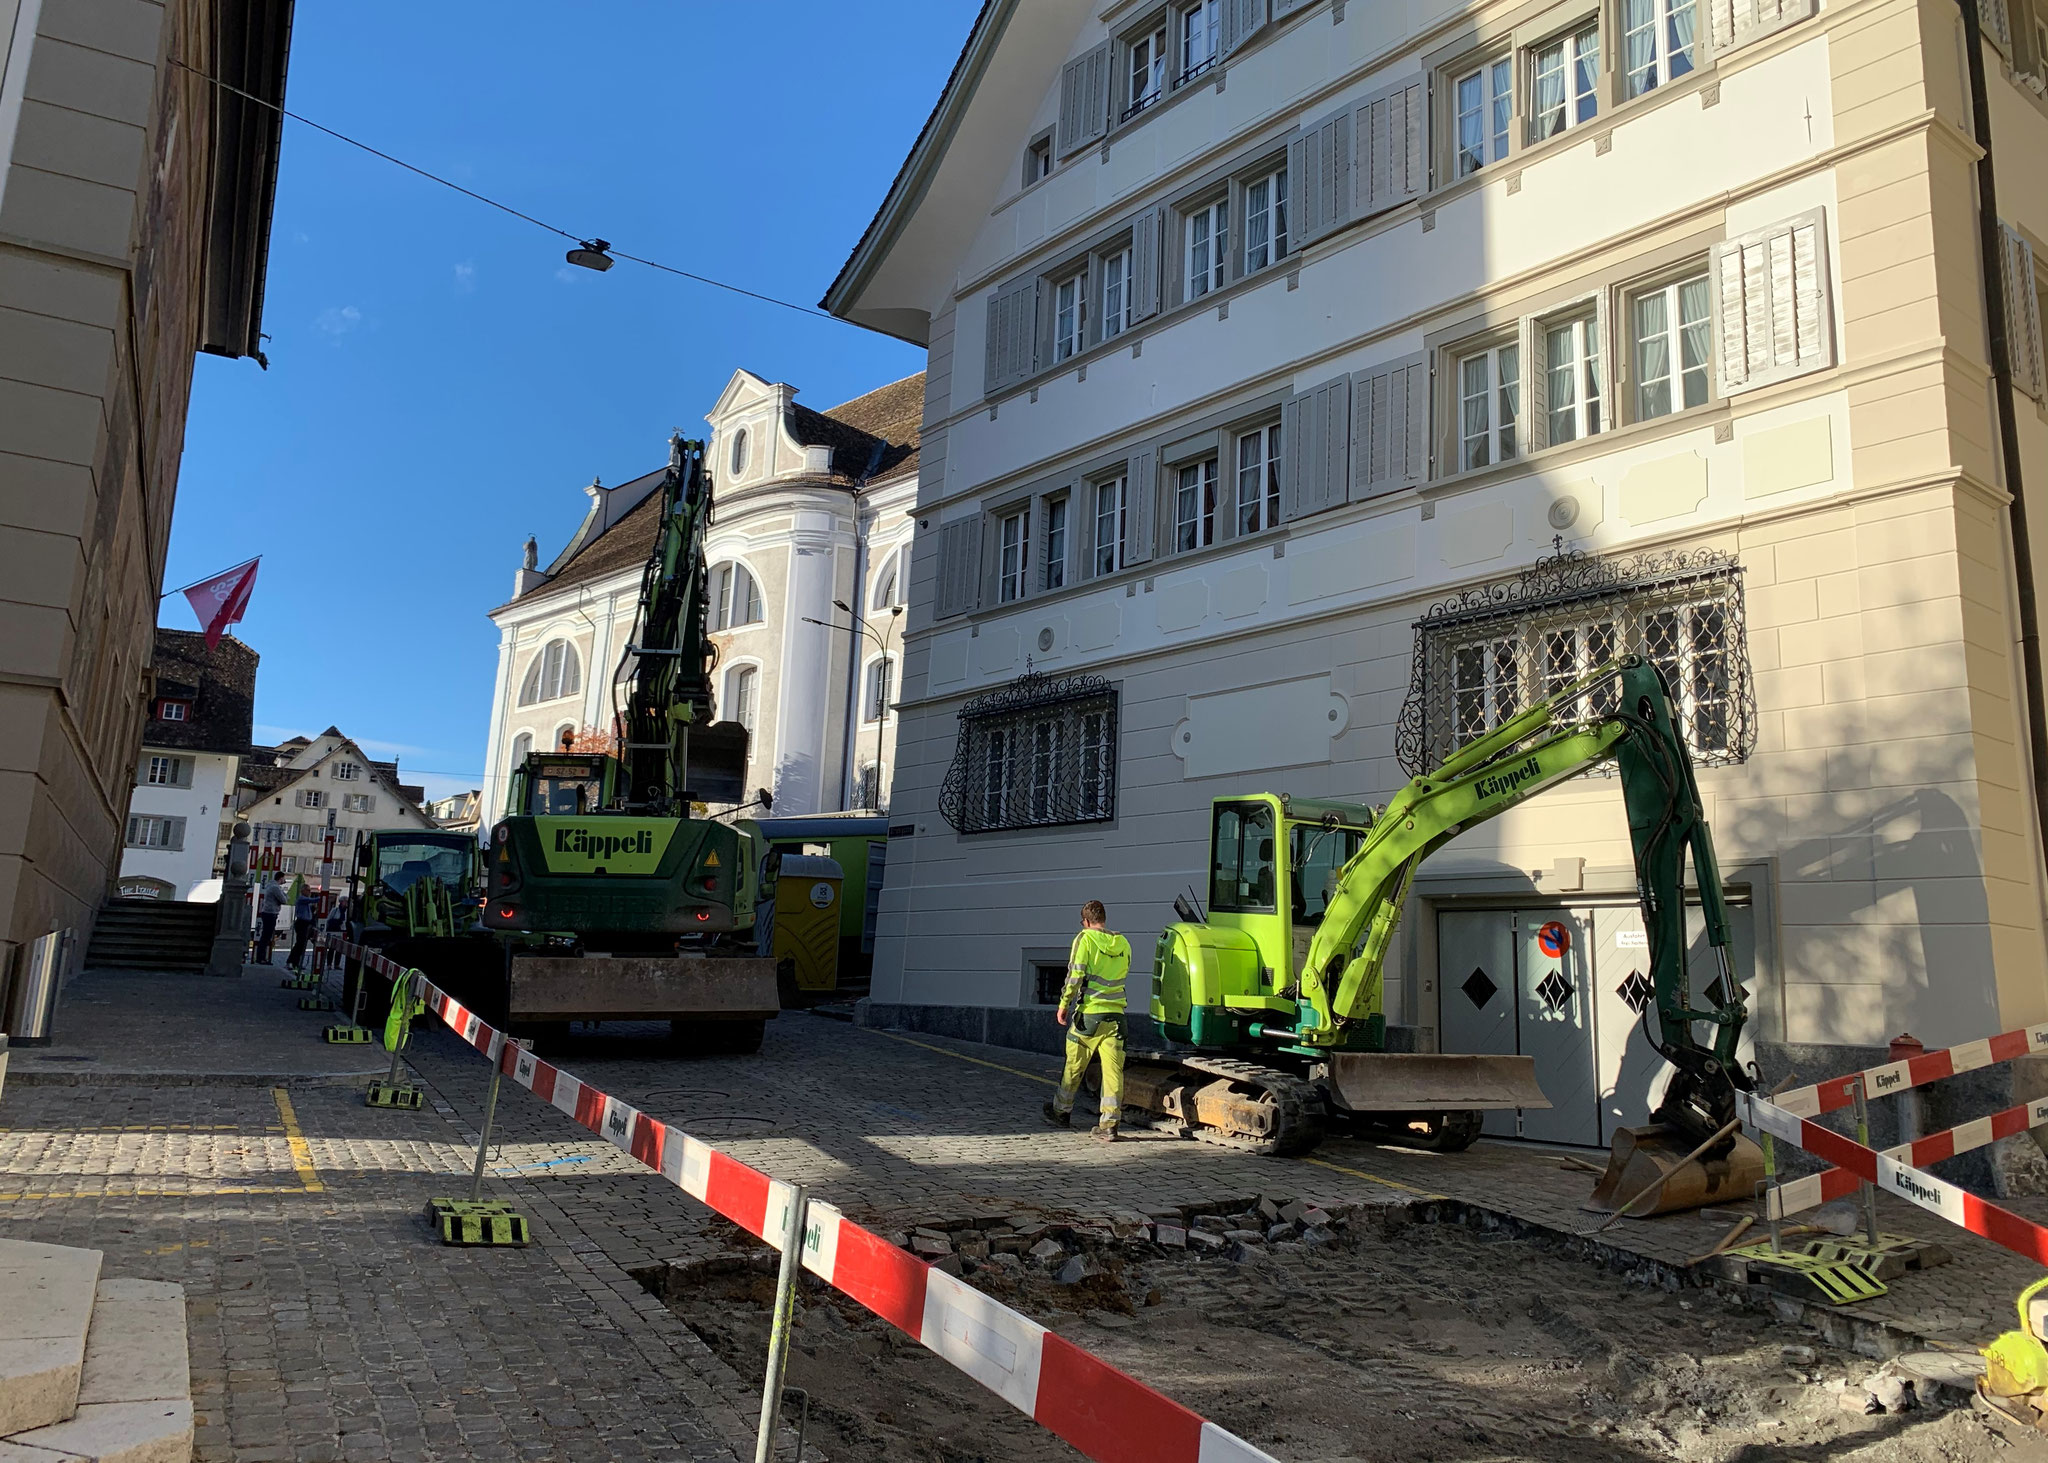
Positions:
(1395, 1082)
(718, 763)
(1648, 1171)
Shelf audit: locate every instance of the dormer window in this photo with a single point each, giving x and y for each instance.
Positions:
(173, 710)
(739, 452)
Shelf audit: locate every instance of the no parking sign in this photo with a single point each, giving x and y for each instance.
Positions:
(1553, 940)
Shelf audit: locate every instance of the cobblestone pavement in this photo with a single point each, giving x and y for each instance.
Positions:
(326, 1324)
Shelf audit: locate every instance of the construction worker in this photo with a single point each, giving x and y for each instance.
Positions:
(269, 904)
(1092, 1010)
(304, 910)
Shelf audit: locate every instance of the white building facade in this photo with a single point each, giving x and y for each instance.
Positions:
(182, 808)
(1301, 404)
(810, 525)
(308, 790)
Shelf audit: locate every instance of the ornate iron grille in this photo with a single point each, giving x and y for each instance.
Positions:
(1036, 752)
(1486, 652)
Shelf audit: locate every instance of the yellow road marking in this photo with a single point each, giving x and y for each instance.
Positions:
(302, 1155)
(141, 1193)
(963, 1057)
(1358, 1173)
(197, 1244)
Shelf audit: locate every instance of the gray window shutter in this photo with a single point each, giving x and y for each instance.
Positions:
(1242, 19)
(184, 772)
(991, 557)
(1316, 445)
(1997, 23)
(2022, 316)
(1533, 430)
(133, 824)
(1145, 238)
(174, 832)
(959, 567)
(1772, 317)
(1143, 504)
(1288, 7)
(1084, 99)
(1389, 426)
(1012, 334)
(1319, 179)
(1387, 152)
(1732, 23)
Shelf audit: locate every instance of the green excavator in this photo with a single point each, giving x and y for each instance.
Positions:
(1272, 996)
(618, 900)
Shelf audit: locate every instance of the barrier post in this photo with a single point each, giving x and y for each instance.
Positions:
(1767, 1191)
(1869, 1189)
(784, 1322)
(483, 1142)
(477, 1220)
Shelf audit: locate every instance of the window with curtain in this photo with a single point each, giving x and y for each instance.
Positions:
(887, 582)
(1485, 105)
(522, 748)
(735, 598)
(1565, 81)
(1656, 42)
(1672, 343)
(554, 673)
(875, 701)
(742, 693)
(1194, 506)
(1258, 479)
(1489, 402)
(1571, 357)
(1265, 221)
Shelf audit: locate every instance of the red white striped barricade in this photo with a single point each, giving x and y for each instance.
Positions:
(1892, 1078)
(1952, 1202)
(1837, 1183)
(1107, 1414)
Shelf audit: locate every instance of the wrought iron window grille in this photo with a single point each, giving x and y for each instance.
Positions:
(1486, 652)
(1038, 752)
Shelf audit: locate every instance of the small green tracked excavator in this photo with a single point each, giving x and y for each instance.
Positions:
(1272, 995)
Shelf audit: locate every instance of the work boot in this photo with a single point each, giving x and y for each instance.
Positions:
(1057, 1118)
(1106, 1132)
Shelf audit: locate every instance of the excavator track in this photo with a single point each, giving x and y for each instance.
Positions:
(1226, 1101)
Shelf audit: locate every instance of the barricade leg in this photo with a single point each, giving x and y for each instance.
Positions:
(389, 1091)
(476, 1220)
(350, 1032)
(784, 1322)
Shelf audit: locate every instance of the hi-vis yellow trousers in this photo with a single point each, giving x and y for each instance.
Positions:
(1107, 1042)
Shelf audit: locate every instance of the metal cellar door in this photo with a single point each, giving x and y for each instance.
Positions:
(1476, 991)
(1555, 1005)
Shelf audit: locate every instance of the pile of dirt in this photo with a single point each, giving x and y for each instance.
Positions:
(1380, 1338)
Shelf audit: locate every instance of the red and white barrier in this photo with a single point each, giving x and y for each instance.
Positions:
(1893, 1078)
(1836, 1183)
(1955, 1204)
(1107, 1414)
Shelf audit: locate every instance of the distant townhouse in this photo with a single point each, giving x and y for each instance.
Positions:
(811, 520)
(182, 808)
(303, 792)
(1313, 383)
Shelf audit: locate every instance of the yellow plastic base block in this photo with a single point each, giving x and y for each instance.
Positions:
(1838, 1281)
(300, 983)
(400, 1095)
(489, 1222)
(349, 1035)
(317, 1003)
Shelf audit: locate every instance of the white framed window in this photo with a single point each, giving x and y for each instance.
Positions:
(522, 748)
(1199, 37)
(1565, 83)
(995, 776)
(735, 598)
(173, 710)
(1656, 42)
(1194, 506)
(1013, 554)
(360, 802)
(1486, 108)
(1207, 230)
(162, 772)
(1572, 370)
(347, 771)
(289, 864)
(555, 672)
(1489, 404)
(1056, 543)
(1048, 759)
(1116, 293)
(874, 702)
(1265, 220)
(888, 582)
(739, 452)
(1112, 523)
(1070, 316)
(312, 797)
(1145, 75)
(742, 693)
(1258, 479)
(1037, 161)
(1671, 343)
(154, 830)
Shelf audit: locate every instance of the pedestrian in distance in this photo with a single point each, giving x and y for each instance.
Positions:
(304, 909)
(1092, 1009)
(269, 905)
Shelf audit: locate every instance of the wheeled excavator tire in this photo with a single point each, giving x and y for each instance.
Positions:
(1225, 1101)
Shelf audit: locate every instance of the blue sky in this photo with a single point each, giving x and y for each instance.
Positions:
(441, 384)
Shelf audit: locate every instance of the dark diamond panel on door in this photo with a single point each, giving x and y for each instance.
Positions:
(1476, 953)
(1635, 991)
(1479, 988)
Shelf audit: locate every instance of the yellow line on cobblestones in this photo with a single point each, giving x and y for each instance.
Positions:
(302, 1156)
(140, 1193)
(1359, 1173)
(963, 1057)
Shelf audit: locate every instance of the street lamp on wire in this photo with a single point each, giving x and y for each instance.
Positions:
(881, 642)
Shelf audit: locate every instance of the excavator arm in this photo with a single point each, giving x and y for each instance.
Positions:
(1555, 739)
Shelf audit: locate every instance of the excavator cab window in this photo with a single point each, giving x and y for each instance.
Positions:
(564, 789)
(1314, 855)
(1243, 877)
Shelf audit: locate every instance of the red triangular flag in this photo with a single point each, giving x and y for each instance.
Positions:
(222, 600)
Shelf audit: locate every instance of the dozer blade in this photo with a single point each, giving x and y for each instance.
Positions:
(1641, 1156)
(1382, 1082)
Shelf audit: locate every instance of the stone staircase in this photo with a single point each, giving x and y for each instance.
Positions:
(152, 934)
(92, 1370)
